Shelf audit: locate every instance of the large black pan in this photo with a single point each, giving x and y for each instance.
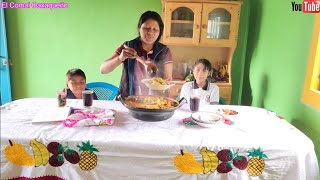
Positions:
(152, 114)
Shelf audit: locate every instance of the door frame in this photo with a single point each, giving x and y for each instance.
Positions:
(4, 64)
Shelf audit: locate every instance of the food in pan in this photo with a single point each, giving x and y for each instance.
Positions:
(150, 102)
(158, 81)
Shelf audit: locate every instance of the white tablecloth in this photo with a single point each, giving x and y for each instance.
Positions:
(134, 149)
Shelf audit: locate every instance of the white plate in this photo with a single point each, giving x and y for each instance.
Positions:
(207, 117)
(158, 87)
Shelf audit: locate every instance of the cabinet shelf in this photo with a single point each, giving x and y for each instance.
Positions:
(181, 22)
(223, 23)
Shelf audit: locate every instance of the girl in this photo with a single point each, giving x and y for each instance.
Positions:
(208, 93)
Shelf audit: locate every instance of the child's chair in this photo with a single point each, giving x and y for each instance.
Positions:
(104, 91)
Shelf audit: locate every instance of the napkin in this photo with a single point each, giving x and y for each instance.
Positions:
(90, 117)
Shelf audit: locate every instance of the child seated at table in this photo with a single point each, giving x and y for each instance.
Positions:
(76, 83)
(207, 92)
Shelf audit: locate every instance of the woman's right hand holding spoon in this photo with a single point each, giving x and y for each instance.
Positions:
(127, 52)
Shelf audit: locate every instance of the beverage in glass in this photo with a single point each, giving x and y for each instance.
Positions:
(87, 97)
(194, 103)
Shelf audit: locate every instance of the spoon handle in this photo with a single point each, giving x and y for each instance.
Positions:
(141, 61)
(150, 67)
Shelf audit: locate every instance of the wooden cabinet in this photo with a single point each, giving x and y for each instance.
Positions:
(201, 23)
(195, 29)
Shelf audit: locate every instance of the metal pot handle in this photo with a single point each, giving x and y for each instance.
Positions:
(120, 98)
(182, 101)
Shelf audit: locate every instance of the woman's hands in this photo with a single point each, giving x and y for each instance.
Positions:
(115, 60)
(127, 52)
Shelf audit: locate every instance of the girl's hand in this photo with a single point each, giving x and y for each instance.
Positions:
(127, 53)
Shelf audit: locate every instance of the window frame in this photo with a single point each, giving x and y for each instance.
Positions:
(311, 92)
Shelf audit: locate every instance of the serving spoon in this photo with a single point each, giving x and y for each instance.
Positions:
(151, 67)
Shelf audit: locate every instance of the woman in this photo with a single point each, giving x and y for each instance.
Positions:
(146, 47)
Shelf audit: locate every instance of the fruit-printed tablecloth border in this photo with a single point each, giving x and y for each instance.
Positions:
(54, 153)
(185, 162)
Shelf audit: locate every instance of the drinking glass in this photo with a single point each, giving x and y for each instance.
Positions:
(87, 97)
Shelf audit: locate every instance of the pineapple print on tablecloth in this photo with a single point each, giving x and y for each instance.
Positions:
(88, 160)
(256, 163)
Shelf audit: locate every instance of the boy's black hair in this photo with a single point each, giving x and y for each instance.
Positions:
(152, 15)
(205, 62)
(75, 72)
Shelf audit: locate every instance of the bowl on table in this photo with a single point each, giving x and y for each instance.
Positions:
(207, 119)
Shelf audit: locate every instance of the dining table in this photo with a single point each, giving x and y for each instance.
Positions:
(250, 143)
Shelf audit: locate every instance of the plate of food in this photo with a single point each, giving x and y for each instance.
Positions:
(228, 111)
(157, 83)
(207, 119)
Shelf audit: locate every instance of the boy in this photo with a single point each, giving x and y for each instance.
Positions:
(208, 93)
(76, 83)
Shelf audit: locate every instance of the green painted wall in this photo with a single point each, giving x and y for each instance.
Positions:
(276, 62)
(43, 44)
(239, 56)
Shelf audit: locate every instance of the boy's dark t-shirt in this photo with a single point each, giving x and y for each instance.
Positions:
(70, 95)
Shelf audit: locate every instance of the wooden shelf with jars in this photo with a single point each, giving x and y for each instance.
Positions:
(195, 29)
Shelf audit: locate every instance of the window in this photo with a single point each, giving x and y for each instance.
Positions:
(311, 92)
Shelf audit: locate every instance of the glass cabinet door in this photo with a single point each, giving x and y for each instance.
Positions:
(182, 21)
(182, 24)
(219, 24)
